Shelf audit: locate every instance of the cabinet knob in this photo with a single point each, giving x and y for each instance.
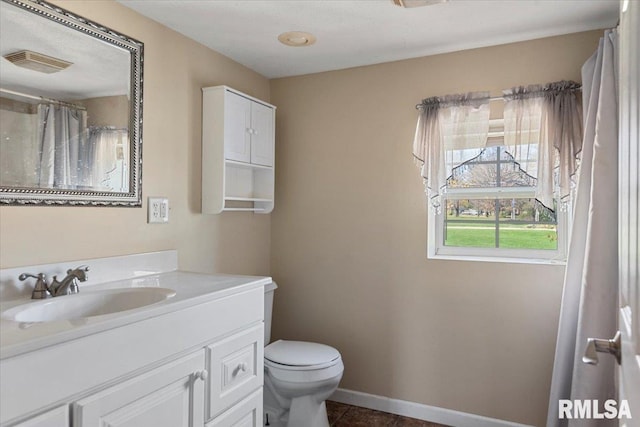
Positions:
(243, 367)
(249, 130)
(202, 375)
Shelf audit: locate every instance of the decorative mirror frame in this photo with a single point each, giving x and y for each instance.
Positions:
(47, 196)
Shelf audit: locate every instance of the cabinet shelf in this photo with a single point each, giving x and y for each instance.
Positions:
(238, 164)
(243, 210)
(248, 199)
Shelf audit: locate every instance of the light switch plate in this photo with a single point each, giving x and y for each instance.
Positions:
(157, 210)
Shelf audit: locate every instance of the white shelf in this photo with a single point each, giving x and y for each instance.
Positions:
(238, 164)
(248, 199)
(243, 210)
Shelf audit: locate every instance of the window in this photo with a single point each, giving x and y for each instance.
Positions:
(489, 210)
(500, 189)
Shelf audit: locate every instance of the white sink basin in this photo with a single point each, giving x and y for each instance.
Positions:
(89, 304)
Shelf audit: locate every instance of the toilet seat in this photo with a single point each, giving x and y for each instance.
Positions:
(300, 355)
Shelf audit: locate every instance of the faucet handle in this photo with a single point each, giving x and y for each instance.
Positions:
(24, 276)
(41, 289)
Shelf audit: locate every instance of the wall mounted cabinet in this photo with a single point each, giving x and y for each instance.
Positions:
(238, 151)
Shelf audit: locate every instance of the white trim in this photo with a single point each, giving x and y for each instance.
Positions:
(417, 410)
(513, 260)
(437, 250)
(490, 193)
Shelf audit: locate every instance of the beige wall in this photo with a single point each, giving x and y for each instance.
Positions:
(107, 111)
(349, 236)
(349, 227)
(175, 70)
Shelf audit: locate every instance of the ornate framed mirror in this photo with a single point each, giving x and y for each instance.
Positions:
(70, 109)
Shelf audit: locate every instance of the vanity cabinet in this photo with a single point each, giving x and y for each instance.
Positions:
(238, 151)
(198, 365)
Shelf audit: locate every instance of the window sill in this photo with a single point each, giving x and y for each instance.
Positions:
(512, 260)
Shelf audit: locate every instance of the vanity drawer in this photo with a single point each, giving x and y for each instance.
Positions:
(247, 413)
(235, 368)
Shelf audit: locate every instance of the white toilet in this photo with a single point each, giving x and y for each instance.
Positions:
(298, 377)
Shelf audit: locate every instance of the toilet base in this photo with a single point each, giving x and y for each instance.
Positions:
(304, 411)
(296, 397)
(270, 418)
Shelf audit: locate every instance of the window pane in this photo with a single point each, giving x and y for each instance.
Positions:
(493, 167)
(512, 176)
(519, 224)
(473, 175)
(470, 223)
(471, 210)
(525, 210)
(528, 236)
(526, 224)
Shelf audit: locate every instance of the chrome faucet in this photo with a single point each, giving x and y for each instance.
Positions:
(67, 286)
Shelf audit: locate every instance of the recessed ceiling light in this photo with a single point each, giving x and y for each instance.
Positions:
(297, 38)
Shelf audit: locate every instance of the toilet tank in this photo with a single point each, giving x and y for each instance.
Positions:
(269, 290)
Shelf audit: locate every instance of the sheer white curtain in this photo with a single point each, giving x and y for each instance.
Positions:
(450, 130)
(589, 300)
(543, 132)
(104, 161)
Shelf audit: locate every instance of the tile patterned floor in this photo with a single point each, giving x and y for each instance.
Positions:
(341, 415)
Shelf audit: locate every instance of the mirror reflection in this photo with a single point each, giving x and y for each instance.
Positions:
(65, 107)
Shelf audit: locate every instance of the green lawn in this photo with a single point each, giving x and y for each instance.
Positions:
(512, 236)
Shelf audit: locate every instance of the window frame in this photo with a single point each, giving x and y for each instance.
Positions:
(436, 249)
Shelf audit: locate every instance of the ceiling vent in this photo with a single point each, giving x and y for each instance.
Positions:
(416, 3)
(37, 61)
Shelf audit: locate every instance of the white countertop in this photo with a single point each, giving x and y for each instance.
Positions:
(191, 289)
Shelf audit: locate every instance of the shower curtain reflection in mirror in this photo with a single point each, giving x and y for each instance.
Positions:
(59, 151)
(107, 164)
(61, 135)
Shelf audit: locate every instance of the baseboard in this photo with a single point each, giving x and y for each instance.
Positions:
(417, 410)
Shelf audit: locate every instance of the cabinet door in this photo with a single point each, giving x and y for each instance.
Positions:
(58, 417)
(237, 127)
(263, 134)
(169, 396)
(247, 413)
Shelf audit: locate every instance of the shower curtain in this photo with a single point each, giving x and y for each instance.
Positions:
(589, 300)
(61, 136)
(106, 159)
(73, 156)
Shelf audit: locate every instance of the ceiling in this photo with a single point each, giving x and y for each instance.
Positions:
(352, 33)
(98, 69)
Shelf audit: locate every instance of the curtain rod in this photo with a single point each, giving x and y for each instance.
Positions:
(42, 99)
(500, 98)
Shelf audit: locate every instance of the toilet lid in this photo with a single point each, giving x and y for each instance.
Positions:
(300, 353)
